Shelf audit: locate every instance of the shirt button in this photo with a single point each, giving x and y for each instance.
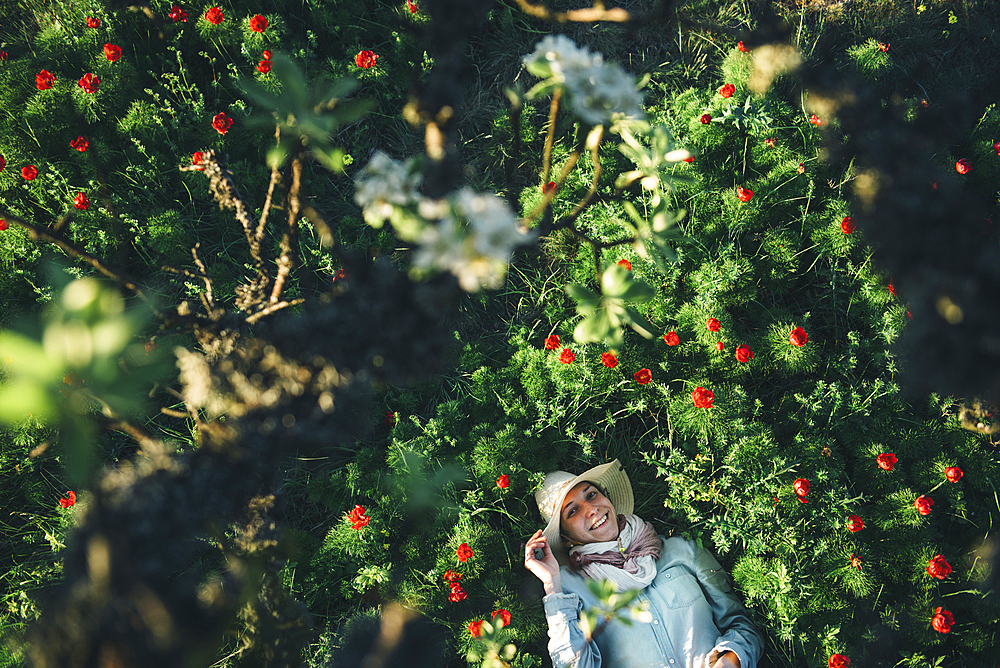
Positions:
(656, 621)
(672, 661)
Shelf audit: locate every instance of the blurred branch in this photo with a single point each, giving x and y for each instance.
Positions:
(588, 15)
(290, 238)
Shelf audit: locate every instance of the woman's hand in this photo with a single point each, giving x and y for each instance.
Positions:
(545, 569)
(727, 660)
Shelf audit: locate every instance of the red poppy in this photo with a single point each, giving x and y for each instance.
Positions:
(504, 616)
(547, 188)
(567, 356)
(222, 123)
(365, 59)
(815, 120)
(626, 264)
(643, 376)
(609, 360)
(909, 314)
(690, 158)
(457, 593)
(712, 325)
(112, 52)
(412, 6)
(178, 14)
(264, 66)
(882, 47)
(801, 487)
(68, 500)
(150, 346)
(942, 621)
(847, 225)
(80, 144)
(357, 518)
(196, 158)
(503, 482)
(267, 54)
(3, 224)
(338, 275)
(476, 628)
(771, 141)
(996, 147)
(3, 163)
(452, 576)
(953, 474)
(938, 567)
(886, 461)
(720, 346)
(89, 82)
(744, 194)
(464, 552)
(743, 353)
(855, 562)
(838, 661)
(798, 337)
(3, 55)
(29, 172)
(44, 80)
(705, 119)
(855, 523)
(727, 90)
(552, 342)
(92, 22)
(81, 202)
(214, 16)
(702, 397)
(923, 504)
(963, 166)
(258, 23)
(671, 338)
(742, 47)
(801, 169)
(389, 419)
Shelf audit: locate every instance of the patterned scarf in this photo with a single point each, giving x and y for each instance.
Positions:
(629, 562)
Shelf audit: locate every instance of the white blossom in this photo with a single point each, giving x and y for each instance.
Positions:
(385, 184)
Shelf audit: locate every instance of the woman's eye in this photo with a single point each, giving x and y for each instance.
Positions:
(591, 495)
(571, 513)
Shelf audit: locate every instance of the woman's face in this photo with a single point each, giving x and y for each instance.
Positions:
(588, 516)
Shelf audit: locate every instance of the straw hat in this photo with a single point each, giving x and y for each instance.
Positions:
(610, 477)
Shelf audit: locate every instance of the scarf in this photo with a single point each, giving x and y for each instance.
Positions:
(629, 562)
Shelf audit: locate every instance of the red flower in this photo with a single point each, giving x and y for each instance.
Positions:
(258, 23)
(942, 620)
(567, 356)
(702, 397)
(44, 80)
(798, 337)
(267, 54)
(963, 166)
(178, 14)
(705, 119)
(112, 52)
(886, 461)
(626, 264)
(771, 141)
(855, 562)
(3, 163)
(357, 518)
(412, 6)
(923, 504)
(338, 275)
(938, 567)
(743, 353)
(150, 346)
(503, 482)
(847, 225)
(92, 22)
(3, 224)
(552, 342)
(838, 661)
(81, 202)
(452, 576)
(643, 376)
(909, 314)
(476, 628)
(996, 147)
(457, 593)
(742, 47)
(89, 82)
(744, 194)
(720, 346)
(214, 16)
(365, 59)
(196, 158)
(464, 552)
(801, 169)
(222, 123)
(29, 172)
(504, 616)
(68, 500)
(690, 158)
(953, 474)
(609, 360)
(3, 55)
(712, 325)
(814, 119)
(671, 338)
(264, 66)
(389, 419)
(80, 144)
(727, 90)
(546, 189)
(801, 487)
(855, 523)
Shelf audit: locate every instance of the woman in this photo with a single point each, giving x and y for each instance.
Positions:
(697, 621)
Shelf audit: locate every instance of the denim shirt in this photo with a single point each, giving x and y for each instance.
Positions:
(696, 616)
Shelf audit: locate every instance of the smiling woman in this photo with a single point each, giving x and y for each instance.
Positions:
(591, 534)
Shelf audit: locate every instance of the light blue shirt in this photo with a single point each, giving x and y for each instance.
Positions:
(696, 616)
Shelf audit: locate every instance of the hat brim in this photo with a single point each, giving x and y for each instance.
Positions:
(612, 480)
